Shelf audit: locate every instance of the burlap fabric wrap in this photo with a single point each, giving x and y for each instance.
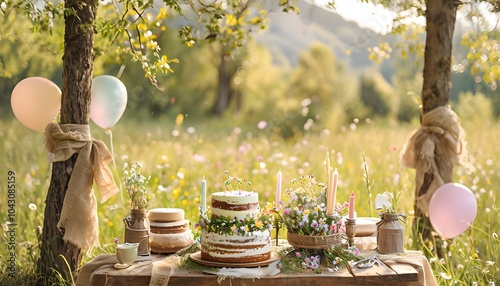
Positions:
(79, 210)
(435, 148)
(161, 268)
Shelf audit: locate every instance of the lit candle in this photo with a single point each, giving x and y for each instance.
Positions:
(335, 179)
(329, 194)
(351, 206)
(203, 194)
(278, 188)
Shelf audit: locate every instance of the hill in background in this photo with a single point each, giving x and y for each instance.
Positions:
(289, 34)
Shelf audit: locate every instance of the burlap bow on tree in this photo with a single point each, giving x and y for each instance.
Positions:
(434, 149)
(79, 210)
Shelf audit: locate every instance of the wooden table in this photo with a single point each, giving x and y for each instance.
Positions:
(390, 274)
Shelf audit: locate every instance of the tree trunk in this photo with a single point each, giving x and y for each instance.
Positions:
(55, 254)
(225, 90)
(440, 17)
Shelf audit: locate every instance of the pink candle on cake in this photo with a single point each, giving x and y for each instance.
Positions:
(278, 188)
(351, 206)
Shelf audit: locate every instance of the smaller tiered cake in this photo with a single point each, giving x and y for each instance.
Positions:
(234, 231)
(169, 231)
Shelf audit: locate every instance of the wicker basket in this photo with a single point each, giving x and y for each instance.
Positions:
(313, 241)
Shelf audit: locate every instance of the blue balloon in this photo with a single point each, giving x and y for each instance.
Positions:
(108, 102)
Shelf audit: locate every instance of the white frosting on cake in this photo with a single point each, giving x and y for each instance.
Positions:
(167, 243)
(236, 199)
(233, 246)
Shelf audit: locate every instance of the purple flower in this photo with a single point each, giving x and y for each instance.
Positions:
(286, 211)
(305, 218)
(314, 224)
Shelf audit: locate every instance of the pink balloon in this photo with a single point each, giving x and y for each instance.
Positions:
(36, 101)
(452, 209)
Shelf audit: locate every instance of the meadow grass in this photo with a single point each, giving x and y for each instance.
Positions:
(177, 156)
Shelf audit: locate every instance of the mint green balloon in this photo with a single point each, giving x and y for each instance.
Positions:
(108, 101)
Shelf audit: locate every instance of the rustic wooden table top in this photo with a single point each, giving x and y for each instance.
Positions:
(384, 274)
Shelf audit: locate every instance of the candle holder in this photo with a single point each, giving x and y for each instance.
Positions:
(350, 229)
(277, 233)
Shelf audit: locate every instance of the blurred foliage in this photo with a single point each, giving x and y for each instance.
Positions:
(376, 94)
(481, 38)
(475, 109)
(320, 88)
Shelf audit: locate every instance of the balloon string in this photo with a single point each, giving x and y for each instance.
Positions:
(108, 131)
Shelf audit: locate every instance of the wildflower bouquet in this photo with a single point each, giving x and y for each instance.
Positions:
(305, 211)
(136, 185)
(226, 225)
(387, 203)
(330, 259)
(305, 215)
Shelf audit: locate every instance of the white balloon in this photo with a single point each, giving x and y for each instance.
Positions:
(109, 100)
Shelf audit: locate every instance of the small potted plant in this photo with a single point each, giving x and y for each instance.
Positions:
(390, 232)
(137, 223)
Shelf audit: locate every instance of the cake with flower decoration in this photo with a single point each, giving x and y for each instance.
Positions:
(234, 230)
(169, 231)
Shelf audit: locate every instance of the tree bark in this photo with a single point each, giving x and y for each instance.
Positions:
(55, 253)
(440, 17)
(225, 92)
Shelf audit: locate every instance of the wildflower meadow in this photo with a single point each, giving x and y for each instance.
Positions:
(177, 156)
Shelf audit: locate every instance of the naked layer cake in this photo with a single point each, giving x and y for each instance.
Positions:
(169, 231)
(233, 232)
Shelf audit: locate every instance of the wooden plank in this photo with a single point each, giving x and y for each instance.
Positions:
(406, 272)
(375, 275)
(195, 279)
(140, 274)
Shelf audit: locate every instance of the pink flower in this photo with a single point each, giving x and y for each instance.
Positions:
(332, 228)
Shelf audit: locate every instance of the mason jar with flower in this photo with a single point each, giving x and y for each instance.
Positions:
(137, 223)
(390, 231)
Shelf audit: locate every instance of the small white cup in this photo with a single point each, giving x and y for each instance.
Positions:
(127, 253)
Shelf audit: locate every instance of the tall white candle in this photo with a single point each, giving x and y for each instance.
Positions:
(203, 195)
(329, 194)
(278, 188)
(335, 179)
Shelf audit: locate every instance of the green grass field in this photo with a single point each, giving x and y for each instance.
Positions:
(178, 156)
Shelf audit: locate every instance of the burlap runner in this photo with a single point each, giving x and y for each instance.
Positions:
(435, 148)
(163, 269)
(79, 211)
